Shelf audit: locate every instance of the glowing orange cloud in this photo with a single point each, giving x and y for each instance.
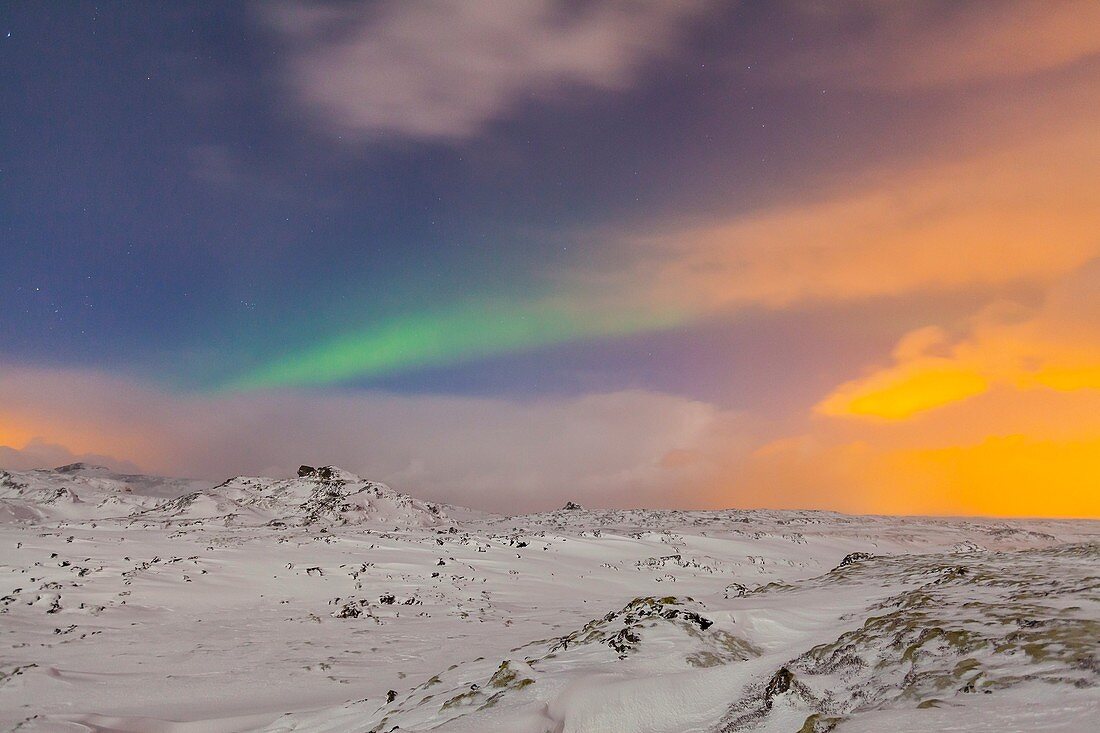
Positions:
(1003, 418)
(77, 435)
(1024, 212)
(1002, 475)
(1012, 475)
(1057, 346)
(904, 391)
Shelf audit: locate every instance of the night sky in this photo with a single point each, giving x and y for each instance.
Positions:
(832, 255)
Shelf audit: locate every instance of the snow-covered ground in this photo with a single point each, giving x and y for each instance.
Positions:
(330, 603)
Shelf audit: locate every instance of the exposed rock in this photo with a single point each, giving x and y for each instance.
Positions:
(777, 685)
(854, 557)
(819, 723)
(351, 609)
(736, 590)
(79, 466)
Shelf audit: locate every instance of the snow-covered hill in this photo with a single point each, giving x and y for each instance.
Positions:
(325, 495)
(317, 495)
(80, 491)
(326, 602)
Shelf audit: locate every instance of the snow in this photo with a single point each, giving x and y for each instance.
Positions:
(327, 602)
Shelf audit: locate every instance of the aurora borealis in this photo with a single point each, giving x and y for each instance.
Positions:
(464, 334)
(795, 254)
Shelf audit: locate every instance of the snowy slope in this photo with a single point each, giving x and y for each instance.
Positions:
(80, 491)
(322, 495)
(326, 602)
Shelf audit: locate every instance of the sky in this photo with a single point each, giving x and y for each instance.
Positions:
(825, 255)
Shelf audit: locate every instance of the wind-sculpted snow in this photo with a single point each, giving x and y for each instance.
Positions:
(327, 602)
(670, 631)
(954, 625)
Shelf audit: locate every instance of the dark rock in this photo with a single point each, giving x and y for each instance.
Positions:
(736, 590)
(701, 621)
(572, 506)
(854, 557)
(624, 641)
(304, 471)
(777, 685)
(70, 467)
(349, 610)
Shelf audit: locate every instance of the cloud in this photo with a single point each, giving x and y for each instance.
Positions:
(38, 453)
(923, 44)
(631, 448)
(1023, 467)
(1024, 213)
(994, 209)
(996, 192)
(1008, 452)
(1000, 415)
(1056, 346)
(446, 69)
(918, 381)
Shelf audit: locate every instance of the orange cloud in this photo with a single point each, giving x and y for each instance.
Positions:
(992, 191)
(999, 475)
(1056, 346)
(922, 44)
(38, 453)
(1000, 417)
(22, 429)
(1026, 213)
(631, 448)
(1005, 452)
(905, 390)
(1012, 475)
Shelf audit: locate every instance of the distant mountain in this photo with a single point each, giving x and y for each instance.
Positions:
(316, 496)
(327, 495)
(80, 491)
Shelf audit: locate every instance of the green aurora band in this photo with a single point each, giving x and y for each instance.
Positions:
(464, 334)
